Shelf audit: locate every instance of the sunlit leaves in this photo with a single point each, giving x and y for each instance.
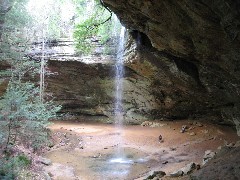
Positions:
(94, 21)
(83, 34)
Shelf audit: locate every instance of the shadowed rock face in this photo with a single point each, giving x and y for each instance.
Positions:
(89, 89)
(192, 47)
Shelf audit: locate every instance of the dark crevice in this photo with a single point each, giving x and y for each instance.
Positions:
(189, 68)
(144, 44)
(87, 114)
(186, 66)
(141, 39)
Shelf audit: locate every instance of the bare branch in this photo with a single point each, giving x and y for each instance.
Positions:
(108, 19)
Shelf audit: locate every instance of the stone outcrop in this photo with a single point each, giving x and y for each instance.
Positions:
(190, 49)
(85, 85)
(224, 165)
(89, 89)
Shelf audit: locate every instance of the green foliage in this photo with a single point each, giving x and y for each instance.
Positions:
(83, 35)
(18, 11)
(23, 115)
(50, 18)
(23, 160)
(94, 22)
(24, 118)
(10, 167)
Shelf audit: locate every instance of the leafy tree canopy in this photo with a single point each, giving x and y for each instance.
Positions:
(52, 16)
(93, 21)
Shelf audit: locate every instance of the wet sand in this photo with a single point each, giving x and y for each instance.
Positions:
(92, 151)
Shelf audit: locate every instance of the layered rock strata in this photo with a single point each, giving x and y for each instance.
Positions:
(194, 45)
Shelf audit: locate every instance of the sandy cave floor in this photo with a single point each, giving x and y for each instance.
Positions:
(89, 151)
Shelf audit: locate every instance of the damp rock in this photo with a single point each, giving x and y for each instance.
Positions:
(205, 131)
(156, 175)
(188, 168)
(47, 176)
(155, 124)
(192, 134)
(45, 161)
(173, 148)
(191, 128)
(207, 156)
(165, 162)
(237, 144)
(177, 173)
(198, 124)
(146, 123)
(97, 156)
(51, 144)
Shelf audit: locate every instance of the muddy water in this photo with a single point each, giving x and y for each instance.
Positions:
(88, 151)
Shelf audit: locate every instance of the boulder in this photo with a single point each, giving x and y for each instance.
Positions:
(156, 175)
(45, 161)
(189, 168)
(224, 165)
(177, 173)
(207, 156)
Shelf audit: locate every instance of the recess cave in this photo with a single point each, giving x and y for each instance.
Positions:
(181, 62)
(181, 66)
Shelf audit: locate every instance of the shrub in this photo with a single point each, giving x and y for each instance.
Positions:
(11, 166)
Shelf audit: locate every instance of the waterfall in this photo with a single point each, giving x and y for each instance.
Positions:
(118, 107)
(120, 159)
(119, 70)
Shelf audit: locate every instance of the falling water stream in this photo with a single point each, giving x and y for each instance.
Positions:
(118, 109)
(119, 69)
(120, 159)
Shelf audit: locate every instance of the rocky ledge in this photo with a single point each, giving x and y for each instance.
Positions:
(193, 48)
(89, 89)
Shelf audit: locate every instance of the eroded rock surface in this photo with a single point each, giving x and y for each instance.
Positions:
(89, 89)
(225, 165)
(191, 50)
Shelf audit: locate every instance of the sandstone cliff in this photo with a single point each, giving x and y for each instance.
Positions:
(193, 45)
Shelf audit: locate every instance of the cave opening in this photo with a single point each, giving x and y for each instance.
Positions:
(141, 39)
